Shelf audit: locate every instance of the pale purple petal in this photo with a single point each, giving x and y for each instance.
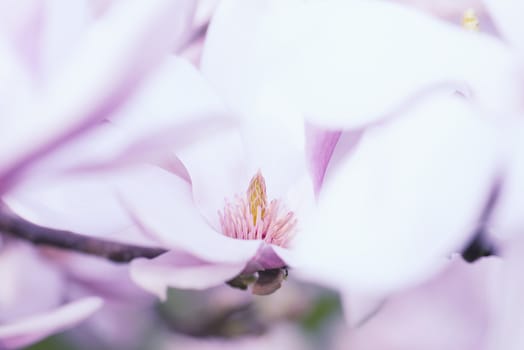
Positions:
(180, 270)
(360, 307)
(33, 329)
(267, 257)
(505, 14)
(452, 311)
(506, 332)
(105, 70)
(29, 283)
(329, 61)
(404, 199)
(507, 218)
(320, 145)
(63, 28)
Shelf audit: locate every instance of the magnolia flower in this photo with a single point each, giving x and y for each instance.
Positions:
(392, 203)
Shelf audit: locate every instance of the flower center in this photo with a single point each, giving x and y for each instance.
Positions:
(470, 20)
(251, 217)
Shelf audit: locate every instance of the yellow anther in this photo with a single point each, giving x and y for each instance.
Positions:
(470, 20)
(256, 194)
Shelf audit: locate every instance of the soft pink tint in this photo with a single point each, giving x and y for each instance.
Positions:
(251, 217)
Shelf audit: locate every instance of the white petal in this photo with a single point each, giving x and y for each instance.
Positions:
(162, 204)
(342, 63)
(174, 94)
(409, 195)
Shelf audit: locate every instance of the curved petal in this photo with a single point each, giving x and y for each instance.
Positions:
(180, 270)
(173, 95)
(505, 14)
(508, 220)
(162, 205)
(33, 329)
(63, 27)
(218, 170)
(105, 70)
(30, 284)
(84, 204)
(451, 311)
(404, 199)
(321, 144)
(343, 63)
(507, 299)
(271, 149)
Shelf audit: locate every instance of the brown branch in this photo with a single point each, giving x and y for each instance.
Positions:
(114, 251)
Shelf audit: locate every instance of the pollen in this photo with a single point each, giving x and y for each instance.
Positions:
(470, 20)
(251, 217)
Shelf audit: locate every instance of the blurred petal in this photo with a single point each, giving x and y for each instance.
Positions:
(508, 220)
(33, 329)
(452, 311)
(508, 298)
(63, 28)
(328, 60)
(282, 336)
(359, 308)
(175, 94)
(105, 70)
(29, 283)
(506, 15)
(403, 200)
(180, 270)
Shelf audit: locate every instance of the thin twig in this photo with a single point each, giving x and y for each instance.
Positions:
(114, 251)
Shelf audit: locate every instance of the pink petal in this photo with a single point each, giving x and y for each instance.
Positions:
(320, 146)
(180, 270)
(403, 200)
(312, 58)
(84, 204)
(33, 329)
(162, 205)
(508, 299)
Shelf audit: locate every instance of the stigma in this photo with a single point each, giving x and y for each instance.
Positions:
(251, 217)
(470, 20)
